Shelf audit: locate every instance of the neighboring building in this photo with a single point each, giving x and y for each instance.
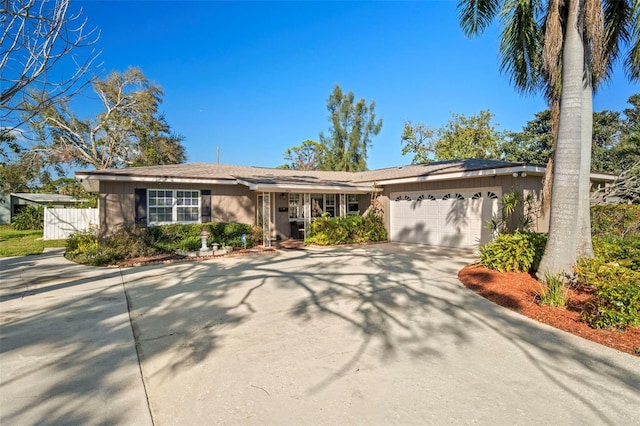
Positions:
(442, 203)
(12, 204)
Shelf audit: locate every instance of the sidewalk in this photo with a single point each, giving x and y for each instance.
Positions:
(67, 352)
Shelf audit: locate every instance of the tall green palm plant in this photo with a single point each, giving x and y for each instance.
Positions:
(565, 48)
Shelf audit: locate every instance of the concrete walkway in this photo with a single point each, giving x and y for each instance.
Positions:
(67, 353)
(383, 334)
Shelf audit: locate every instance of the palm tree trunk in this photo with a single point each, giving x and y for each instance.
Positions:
(584, 245)
(560, 253)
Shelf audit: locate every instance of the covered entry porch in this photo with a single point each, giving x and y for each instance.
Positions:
(286, 214)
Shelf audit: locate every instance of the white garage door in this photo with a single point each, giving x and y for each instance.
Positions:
(454, 218)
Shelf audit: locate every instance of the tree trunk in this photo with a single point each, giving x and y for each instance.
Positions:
(560, 253)
(584, 245)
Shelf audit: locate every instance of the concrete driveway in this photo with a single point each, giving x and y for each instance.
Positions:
(368, 335)
(67, 353)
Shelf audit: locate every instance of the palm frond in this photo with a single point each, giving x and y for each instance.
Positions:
(632, 61)
(617, 15)
(476, 15)
(594, 37)
(553, 40)
(521, 44)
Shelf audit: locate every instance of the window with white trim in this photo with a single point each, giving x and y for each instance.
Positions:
(352, 204)
(323, 203)
(296, 210)
(330, 204)
(173, 206)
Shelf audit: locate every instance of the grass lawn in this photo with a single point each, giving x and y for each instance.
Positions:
(23, 243)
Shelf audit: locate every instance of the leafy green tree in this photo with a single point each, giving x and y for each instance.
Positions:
(157, 145)
(418, 140)
(129, 130)
(353, 124)
(468, 137)
(534, 144)
(18, 168)
(461, 137)
(8, 146)
(21, 173)
(628, 150)
(309, 155)
(607, 127)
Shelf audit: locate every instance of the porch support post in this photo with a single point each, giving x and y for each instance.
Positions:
(307, 212)
(343, 205)
(266, 219)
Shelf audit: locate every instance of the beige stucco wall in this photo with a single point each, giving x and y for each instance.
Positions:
(229, 203)
(236, 203)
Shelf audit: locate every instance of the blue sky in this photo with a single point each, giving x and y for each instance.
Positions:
(253, 77)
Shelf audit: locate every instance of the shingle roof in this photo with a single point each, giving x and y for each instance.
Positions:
(263, 175)
(438, 167)
(222, 171)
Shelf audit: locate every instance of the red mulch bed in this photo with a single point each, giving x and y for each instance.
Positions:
(516, 291)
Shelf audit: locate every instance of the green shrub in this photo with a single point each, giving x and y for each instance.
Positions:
(553, 292)
(374, 229)
(233, 234)
(620, 220)
(326, 230)
(169, 237)
(29, 218)
(190, 243)
(624, 251)
(513, 206)
(133, 241)
(128, 242)
(353, 229)
(80, 242)
(85, 248)
(517, 252)
(616, 292)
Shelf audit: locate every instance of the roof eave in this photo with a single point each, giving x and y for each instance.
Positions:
(501, 171)
(289, 187)
(155, 179)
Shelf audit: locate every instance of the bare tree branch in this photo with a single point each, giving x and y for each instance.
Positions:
(625, 188)
(36, 37)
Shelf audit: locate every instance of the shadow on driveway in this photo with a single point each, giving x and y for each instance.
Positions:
(67, 351)
(374, 334)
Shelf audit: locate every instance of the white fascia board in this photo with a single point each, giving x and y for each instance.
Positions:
(283, 187)
(153, 179)
(532, 170)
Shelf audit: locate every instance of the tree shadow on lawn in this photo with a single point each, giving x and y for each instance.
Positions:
(397, 302)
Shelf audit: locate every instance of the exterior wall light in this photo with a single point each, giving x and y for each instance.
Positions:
(519, 174)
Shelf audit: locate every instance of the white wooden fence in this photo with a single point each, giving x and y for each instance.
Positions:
(60, 223)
